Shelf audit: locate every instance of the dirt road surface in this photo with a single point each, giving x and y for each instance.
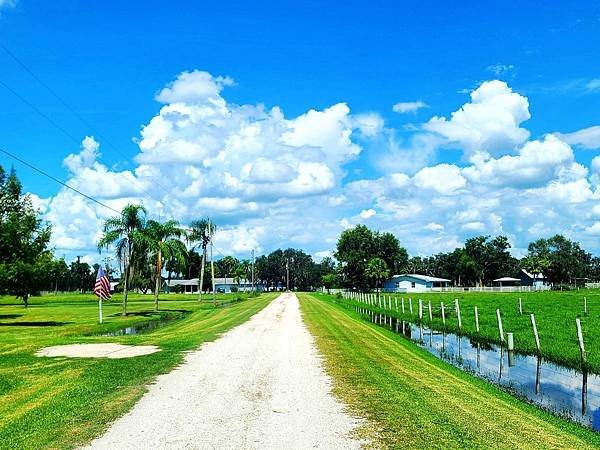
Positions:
(259, 386)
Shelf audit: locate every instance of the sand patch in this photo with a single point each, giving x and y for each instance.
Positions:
(112, 351)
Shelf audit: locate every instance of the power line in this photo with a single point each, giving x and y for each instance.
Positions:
(73, 111)
(31, 166)
(66, 105)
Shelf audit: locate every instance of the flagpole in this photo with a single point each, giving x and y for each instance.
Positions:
(100, 309)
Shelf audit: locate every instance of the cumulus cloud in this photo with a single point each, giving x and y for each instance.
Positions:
(445, 179)
(270, 180)
(489, 124)
(191, 87)
(409, 107)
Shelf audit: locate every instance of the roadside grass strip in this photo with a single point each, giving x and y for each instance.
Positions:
(413, 400)
(62, 402)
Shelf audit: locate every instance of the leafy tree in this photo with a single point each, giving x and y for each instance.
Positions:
(24, 238)
(490, 257)
(201, 232)
(558, 258)
(162, 241)
(124, 232)
(328, 281)
(377, 271)
(357, 246)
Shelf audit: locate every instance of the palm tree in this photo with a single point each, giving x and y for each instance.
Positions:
(239, 273)
(377, 270)
(201, 231)
(162, 241)
(123, 232)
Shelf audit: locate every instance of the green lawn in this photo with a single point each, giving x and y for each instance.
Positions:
(413, 400)
(63, 402)
(555, 314)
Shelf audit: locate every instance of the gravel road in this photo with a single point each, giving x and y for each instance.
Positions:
(259, 386)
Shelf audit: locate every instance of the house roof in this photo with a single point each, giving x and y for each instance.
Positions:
(425, 278)
(537, 276)
(507, 279)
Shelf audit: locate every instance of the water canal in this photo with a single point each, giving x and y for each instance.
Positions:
(564, 391)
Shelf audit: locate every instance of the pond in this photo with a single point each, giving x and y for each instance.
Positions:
(564, 391)
(148, 326)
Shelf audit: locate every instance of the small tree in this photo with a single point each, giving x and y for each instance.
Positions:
(25, 261)
(377, 271)
(328, 281)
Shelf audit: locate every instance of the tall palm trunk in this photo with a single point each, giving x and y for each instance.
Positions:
(125, 286)
(157, 279)
(202, 273)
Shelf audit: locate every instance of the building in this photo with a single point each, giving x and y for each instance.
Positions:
(529, 279)
(507, 281)
(411, 282)
(221, 285)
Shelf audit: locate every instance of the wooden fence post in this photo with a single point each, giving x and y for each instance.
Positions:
(443, 314)
(535, 333)
(476, 320)
(580, 339)
(396, 303)
(500, 326)
(402, 302)
(430, 313)
(520, 307)
(457, 307)
(420, 309)
(410, 305)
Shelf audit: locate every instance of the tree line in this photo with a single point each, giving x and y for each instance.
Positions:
(365, 258)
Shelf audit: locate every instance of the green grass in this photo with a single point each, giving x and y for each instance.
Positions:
(555, 314)
(413, 400)
(64, 402)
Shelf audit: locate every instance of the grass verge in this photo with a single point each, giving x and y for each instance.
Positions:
(413, 400)
(65, 402)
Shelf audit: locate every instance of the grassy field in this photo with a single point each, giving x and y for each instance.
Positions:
(62, 402)
(555, 314)
(413, 400)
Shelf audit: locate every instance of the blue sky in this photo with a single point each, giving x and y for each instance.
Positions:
(109, 62)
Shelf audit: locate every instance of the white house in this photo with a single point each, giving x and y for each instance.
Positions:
(412, 282)
(221, 285)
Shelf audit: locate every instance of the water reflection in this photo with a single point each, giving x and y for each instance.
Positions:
(565, 391)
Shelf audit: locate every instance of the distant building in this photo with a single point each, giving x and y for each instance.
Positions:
(507, 281)
(411, 282)
(221, 285)
(529, 279)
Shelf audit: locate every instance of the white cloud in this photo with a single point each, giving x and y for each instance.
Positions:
(489, 124)
(445, 179)
(191, 87)
(367, 213)
(273, 181)
(586, 138)
(409, 107)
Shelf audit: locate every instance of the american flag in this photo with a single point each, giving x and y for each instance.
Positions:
(102, 287)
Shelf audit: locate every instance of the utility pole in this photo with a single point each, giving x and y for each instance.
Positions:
(287, 277)
(212, 264)
(252, 270)
(80, 274)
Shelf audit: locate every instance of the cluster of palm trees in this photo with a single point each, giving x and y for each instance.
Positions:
(138, 241)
